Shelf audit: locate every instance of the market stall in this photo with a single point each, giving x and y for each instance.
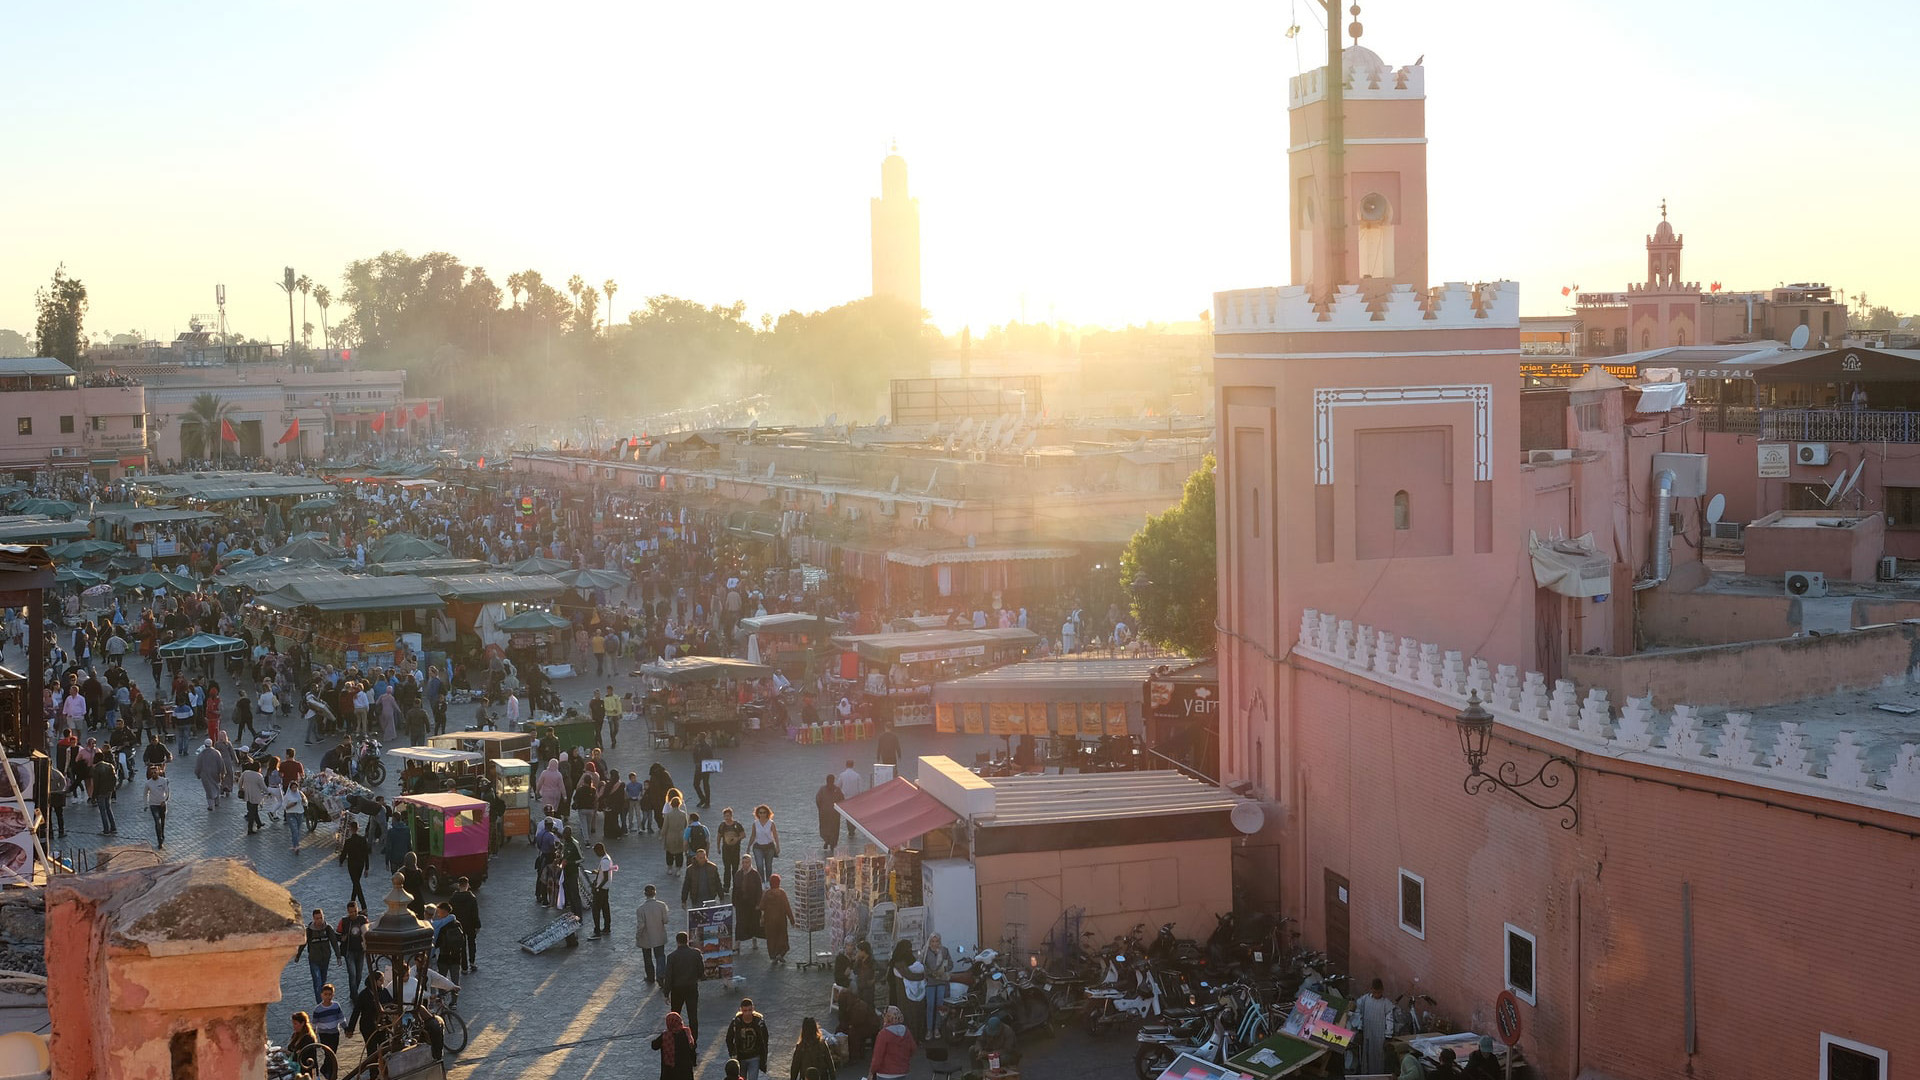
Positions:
(696, 694)
(490, 744)
(348, 619)
(426, 769)
(796, 644)
(1068, 708)
(897, 671)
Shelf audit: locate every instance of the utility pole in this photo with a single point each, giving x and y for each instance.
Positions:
(1337, 142)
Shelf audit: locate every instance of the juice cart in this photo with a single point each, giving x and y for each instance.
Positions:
(513, 780)
(426, 769)
(491, 744)
(450, 835)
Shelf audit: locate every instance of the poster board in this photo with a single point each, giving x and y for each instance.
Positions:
(1316, 1019)
(1090, 719)
(1116, 718)
(943, 718)
(17, 864)
(1066, 718)
(1188, 1067)
(1000, 719)
(710, 930)
(1036, 718)
(970, 719)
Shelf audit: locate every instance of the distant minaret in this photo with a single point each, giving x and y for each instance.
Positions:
(896, 234)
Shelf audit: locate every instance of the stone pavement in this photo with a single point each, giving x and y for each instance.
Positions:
(586, 1012)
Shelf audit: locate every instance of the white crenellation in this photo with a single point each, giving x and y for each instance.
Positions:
(1735, 746)
(1383, 657)
(1363, 646)
(1563, 708)
(1480, 681)
(1904, 781)
(1533, 700)
(1427, 671)
(1506, 688)
(1845, 767)
(1292, 309)
(1789, 753)
(1596, 713)
(1309, 624)
(1343, 640)
(1683, 735)
(1329, 625)
(1407, 663)
(1453, 673)
(1635, 729)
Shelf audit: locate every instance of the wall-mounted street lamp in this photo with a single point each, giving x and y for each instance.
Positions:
(1476, 727)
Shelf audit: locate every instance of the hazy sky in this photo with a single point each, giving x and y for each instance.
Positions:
(1109, 162)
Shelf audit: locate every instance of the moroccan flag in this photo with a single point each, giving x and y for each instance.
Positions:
(293, 432)
(380, 422)
(420, 411)
(482, 464)
(227, 432)
(400, 417)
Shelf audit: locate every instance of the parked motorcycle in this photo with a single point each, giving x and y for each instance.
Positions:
(368, 769)
(1205, 1036)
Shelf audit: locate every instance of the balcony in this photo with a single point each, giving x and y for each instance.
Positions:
(1838, 425)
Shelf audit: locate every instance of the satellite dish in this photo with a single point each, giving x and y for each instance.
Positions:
(1800, 336)
(1847, 488)
(1716, 506)
(1248, 817)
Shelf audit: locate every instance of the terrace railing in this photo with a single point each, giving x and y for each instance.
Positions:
(1840, 425)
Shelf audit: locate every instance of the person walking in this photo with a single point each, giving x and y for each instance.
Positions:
(396, 845)
(206, 768)
(826, 803)
(812, 1057)
(748, 1041)
(293, 809)
(766, 840)
(673, 832)
(893, 1048)
(106, 784)
(703, 779)
(327, 1018)
(776, 915)
(576, 901)
(747, 887)
(352, 931)
(586, 802)
(849, 787)
(355, 855)
(602, 885)
(702, 882)
(450, 942)
(650, 934)
(158, 790)
(614, 706)
(682, 978)
(466, 907)
(253, 790)
(320, 946)
(676, 1048)
(731, 834)
(1376, 1023)
(413, 881)
(886, 749)
(552, 787)
(369, 1005)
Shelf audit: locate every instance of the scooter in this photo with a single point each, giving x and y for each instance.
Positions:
(1119, 998)
(1204, 1037)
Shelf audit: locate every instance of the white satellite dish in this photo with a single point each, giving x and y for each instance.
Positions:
(1800, 336)
(1248, 817)
(1716, 506)
(1847, 488)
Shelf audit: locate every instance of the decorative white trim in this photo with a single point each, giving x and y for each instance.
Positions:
(1479, 395)
(1506, 964)
(1860, 1048)
(1392, 140)
(1400, 902)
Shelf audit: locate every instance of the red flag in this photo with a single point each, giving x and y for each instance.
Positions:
(400, 417)
(293, 432)
(380, 422)
(227, 432)
(1564, 290)
(482, 464)
(420, 411)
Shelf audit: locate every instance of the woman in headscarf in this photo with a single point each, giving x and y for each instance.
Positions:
(676, 1050)
(810, 1052)
(673, 832)
(746, 903)
(552, 786)
(776, 915)
(1410, 1067)
(893, 1048)
(939, 966)
(858, 1022)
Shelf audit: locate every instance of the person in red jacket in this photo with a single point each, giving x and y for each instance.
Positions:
(893, 1048)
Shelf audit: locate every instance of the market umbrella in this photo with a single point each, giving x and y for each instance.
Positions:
(58, 508)
(532, 620)
(156, 579)
(203, 645)
(401, 547)
(96, 596)
(126, 560)
(307, 547)
(84, 549)
(236, 555)
(540, 565)
(591, 579)
(315, 506)
(74, 573)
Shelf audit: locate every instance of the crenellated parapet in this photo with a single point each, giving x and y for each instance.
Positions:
(1291, 309)
(1782, 756)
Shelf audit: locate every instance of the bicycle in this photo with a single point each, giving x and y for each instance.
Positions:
(439, 1002)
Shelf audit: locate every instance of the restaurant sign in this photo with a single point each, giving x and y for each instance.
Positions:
(1776, 459)
(1177, 699)
(955, 653)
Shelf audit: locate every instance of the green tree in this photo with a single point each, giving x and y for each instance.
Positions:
(1170, 572)
(60, 330)
(322, 298)
(200, 426)
(14, 343)
(305, 285)
(610, 287)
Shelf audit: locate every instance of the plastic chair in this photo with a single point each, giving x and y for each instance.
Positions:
(940, 1060)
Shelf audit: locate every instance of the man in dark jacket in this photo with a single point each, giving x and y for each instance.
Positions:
(702, 883)
(414, 881)
(367, 1005)
(355, 854)
(747, 1039)
(682, 980)
(466, 907)
(106, 783)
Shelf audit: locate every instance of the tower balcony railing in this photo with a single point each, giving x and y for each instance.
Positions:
(1839, 425)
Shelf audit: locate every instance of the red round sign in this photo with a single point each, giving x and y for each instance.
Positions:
(1506, 1016)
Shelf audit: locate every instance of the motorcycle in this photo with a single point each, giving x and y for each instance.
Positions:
(1133, 990)
(368, 769)
(1205, 1036)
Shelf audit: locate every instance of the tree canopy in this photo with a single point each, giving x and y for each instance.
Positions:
(60, 329)
(1170, 573)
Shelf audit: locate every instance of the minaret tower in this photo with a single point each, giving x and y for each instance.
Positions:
(896, 234)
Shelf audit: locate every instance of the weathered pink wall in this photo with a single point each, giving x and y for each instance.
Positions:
(1182, 882)
(1755, 673)
(1849, 554)
(1675, 619)
(1873, 611)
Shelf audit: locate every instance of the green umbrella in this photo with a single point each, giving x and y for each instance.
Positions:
(315, 506)
(307, 548)
(156, 579)
(50, 507)
(401, 547)
(539, 565)
(591, 579)
(532, 620)
(236, 555)
(84, 549)
(74, 573)
(203, 645)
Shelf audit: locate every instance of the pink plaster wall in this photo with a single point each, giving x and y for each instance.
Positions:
(1843, 554)
(1670, 619)
(1182, 882)
(1753, 673)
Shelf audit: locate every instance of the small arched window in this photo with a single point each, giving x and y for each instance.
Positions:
(1680, 337)
(1646, 339)
(1402, 512)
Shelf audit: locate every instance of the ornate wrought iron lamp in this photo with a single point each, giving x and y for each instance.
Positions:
(1557, 772)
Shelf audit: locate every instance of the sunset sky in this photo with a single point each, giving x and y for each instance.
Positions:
(1110, 163)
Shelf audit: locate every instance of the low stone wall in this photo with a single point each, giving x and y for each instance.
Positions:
(1678, 619)
(1873, 611)
(1754, 673)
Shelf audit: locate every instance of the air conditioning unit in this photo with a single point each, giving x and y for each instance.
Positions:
(1890, 568)
(58, 451)
(1728, 530)
(921, 522)
(1806, 583)
(853, 513)
(1810, 453)
(887, 508)
(1548, 457)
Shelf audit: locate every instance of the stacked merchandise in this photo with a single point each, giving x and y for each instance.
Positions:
(809, 894)
(906, 877)
(846, 917)
(880, 937)
(710, 929)
(870, 878)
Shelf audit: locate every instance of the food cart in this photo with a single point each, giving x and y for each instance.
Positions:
(696, 695)
(568, 730)
(794, 643)
(897, 671)
(450, 834)
(489, 744)
(513, 781)
(437, 768)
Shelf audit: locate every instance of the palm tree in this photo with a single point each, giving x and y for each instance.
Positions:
(323, 296)
(305, 285)
(516, 283)
(200, 426)
(610, 287)
(289, 284)
(576, 285)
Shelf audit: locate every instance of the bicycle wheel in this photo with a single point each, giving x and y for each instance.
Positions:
(456, 1029)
